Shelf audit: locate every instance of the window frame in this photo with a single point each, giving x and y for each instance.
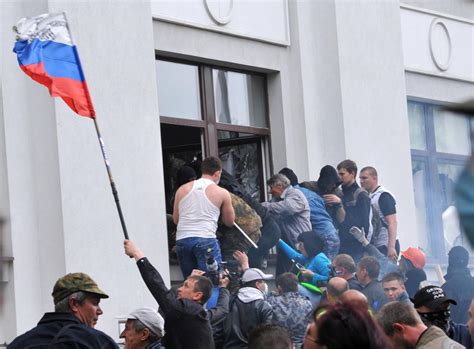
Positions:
(211, 126)
(432, 158)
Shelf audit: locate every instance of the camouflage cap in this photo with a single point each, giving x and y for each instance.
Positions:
(75, 282)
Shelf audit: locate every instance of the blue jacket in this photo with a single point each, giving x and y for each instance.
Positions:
(321, 222)
(460, 334)
(320, 264)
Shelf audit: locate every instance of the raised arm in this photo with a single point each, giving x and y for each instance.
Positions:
(151, 277)
(290, 252)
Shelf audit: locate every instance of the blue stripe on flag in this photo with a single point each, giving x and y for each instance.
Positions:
(59, 60)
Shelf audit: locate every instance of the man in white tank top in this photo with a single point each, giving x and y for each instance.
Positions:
(197, 207)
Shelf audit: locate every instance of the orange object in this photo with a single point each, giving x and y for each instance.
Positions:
(415, 256)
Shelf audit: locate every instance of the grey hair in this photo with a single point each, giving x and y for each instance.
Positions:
(139, 326)
(63, 305)
(397, 312)
(279, 179)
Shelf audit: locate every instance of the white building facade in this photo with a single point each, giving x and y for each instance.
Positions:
(262, 84)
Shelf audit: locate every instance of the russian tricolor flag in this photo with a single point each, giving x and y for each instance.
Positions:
(46, 53)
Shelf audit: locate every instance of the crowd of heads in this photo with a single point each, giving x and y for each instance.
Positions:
(368, 301)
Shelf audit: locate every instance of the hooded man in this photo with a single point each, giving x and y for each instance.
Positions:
(459, 283)
(327, 183)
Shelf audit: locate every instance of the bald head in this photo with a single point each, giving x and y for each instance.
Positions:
(335, 288)
(354, 296)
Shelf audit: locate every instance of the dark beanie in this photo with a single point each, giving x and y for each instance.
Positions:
(458, 257)
(185, 174)
(288, 172)
(327, 176)
(313, 244)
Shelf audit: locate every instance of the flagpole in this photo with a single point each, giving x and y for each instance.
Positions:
(101, 142)
(111, 180)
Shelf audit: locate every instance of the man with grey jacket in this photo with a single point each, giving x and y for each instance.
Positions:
(404, 328)
(291, 209)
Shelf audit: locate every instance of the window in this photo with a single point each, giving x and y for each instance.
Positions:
(215, 111)
(440, 145)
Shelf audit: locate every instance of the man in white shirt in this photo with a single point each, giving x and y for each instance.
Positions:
(197, 207)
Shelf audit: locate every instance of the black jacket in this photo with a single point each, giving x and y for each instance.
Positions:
(459, 286)
(217, 316)
(357, 214)
(62, 331)
(186, 322)
(354, 284)
(247, 310)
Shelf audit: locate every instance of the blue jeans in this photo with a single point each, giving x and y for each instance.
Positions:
(192, 253)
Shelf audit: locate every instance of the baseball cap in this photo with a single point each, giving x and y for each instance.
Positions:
(150, 318)
(254, 274)
(415, 256)
(431, 296)
(75, 282)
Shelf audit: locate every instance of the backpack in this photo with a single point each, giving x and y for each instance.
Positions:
(375, 222)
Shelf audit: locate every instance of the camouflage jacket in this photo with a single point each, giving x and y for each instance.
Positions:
(231, 239)
(292, 311)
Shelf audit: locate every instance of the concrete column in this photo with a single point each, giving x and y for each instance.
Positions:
(63, 216)
(374, 102)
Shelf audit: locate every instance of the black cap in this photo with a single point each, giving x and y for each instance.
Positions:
(431, 297)
(288, 172)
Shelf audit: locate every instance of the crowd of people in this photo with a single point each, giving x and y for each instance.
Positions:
(341, 280)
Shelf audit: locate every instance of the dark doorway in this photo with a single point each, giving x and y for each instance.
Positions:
(182, 145)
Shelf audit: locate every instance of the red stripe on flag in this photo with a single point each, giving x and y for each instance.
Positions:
(74, 93)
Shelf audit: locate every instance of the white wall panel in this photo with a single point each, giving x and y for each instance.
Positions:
(263, 20)
(437, 45)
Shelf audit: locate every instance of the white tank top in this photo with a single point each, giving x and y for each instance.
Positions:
(197, 214)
